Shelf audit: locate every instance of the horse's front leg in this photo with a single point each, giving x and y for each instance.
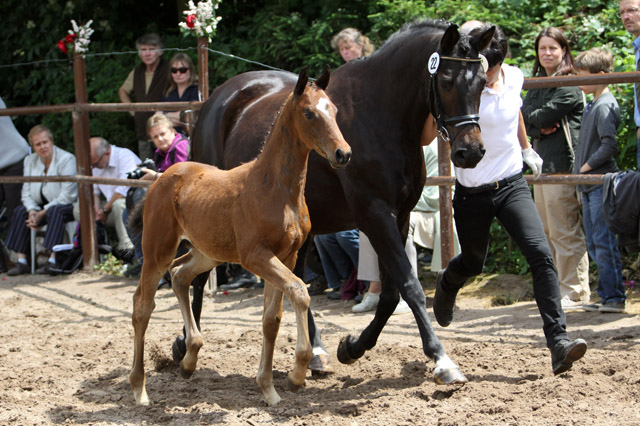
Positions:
(280, 279)
(397, 274)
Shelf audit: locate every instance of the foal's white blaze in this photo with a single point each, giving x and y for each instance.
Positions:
(324, 105)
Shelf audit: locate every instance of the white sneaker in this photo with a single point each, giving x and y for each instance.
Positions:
(568, 304)
(402, 308)
(369, 303)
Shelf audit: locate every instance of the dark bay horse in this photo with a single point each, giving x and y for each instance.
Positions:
(383, 103)
(254, 214)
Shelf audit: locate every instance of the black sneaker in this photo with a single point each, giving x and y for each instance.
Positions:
(46, 269)
(565, 353)
(18, 269)
(317, 286)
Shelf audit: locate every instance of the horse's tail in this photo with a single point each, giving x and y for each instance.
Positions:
(136, 216)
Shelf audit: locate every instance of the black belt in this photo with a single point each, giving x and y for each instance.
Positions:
(493, 186)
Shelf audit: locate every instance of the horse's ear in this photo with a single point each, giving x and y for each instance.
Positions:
(303, 78)
(323, 81)
(482, 41)
(449, 39)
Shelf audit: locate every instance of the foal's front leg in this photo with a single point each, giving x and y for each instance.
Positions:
(280, 279)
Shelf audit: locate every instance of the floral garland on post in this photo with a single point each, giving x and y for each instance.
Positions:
(201, 19)
(77, 40)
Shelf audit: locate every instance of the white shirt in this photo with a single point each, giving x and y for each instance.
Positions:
(499, 116)
(121, 161)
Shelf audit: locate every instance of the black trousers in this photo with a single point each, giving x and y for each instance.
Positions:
(11, 192)
(513, 206)
(56, 218)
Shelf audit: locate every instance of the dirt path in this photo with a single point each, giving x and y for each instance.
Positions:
(66, 351)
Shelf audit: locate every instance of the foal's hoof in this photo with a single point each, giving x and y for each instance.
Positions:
(343, 350)
(185, 374)
(293, 387)
(178, 349)
(449, 376)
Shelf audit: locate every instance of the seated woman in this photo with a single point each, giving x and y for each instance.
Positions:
(43, 203)
(182, 87)
(171, 147)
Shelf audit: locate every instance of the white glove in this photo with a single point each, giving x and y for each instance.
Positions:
(533, 160)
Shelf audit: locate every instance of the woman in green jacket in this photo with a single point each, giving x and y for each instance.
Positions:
(552, 117)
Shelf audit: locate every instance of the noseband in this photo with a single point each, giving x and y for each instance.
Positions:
(458, 121)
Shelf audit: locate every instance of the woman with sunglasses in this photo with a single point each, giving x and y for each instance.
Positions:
(182, 87)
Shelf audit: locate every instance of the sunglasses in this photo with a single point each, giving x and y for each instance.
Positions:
(180, 70)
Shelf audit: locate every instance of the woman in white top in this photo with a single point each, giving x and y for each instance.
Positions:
(43, 202)
(496, 188)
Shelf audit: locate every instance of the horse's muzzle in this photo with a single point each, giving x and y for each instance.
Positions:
(342, 158)
(467, 157)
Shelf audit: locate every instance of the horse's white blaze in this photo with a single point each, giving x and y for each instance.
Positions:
(324, 105)
(469, 75)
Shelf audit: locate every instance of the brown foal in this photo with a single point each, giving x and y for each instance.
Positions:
(255, 215)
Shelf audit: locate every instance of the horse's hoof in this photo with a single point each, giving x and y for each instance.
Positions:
(449, 376)
(178, 349)
(320, 365)
(343, 350)
(185, 374)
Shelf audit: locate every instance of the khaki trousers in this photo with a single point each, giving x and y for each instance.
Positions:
(559, 211)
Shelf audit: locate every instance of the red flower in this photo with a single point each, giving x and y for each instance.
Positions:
(70, 37)
(191, 21)
(62, 46)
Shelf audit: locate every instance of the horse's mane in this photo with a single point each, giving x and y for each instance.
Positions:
(414, 29)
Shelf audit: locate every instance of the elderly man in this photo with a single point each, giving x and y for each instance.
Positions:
(630, 16)
(147, 82)
(112, 162)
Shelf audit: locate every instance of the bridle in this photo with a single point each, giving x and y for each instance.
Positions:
(458, 121)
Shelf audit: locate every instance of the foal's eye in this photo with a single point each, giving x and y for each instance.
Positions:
(308, 114)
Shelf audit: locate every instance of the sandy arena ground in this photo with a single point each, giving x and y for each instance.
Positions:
(66, 351)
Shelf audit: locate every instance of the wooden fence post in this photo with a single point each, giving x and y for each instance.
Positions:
(446, 217)
(83, 161)
(203, 67)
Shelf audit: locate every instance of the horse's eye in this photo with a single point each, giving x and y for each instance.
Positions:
(446, 83)
(308, 114)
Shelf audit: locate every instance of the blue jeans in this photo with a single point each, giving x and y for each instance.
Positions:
(339, 255)
(602, 246)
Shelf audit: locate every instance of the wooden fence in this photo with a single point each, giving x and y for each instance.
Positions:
(81, 108)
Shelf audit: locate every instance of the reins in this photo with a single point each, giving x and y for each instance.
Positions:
(459, 120)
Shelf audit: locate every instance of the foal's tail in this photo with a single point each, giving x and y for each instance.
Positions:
(136, 216)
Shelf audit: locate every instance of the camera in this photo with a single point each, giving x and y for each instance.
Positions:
(137, 173)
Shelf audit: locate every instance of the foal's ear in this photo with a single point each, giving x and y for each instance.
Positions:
(323, 81)
(449, 39)
(303, 78)
(482, 41)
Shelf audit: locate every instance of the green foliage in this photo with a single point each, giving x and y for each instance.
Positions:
(285, 34)
(111, 265)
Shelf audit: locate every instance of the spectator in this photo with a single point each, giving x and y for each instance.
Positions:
(630, 16)
(182, 87)
(14, 148)
(43, 203)
(351, 44)
(147, 82)
(339, 256)
(552, 117)
(171, 148)
(496, 188)
(110, 161)
(597, 147)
